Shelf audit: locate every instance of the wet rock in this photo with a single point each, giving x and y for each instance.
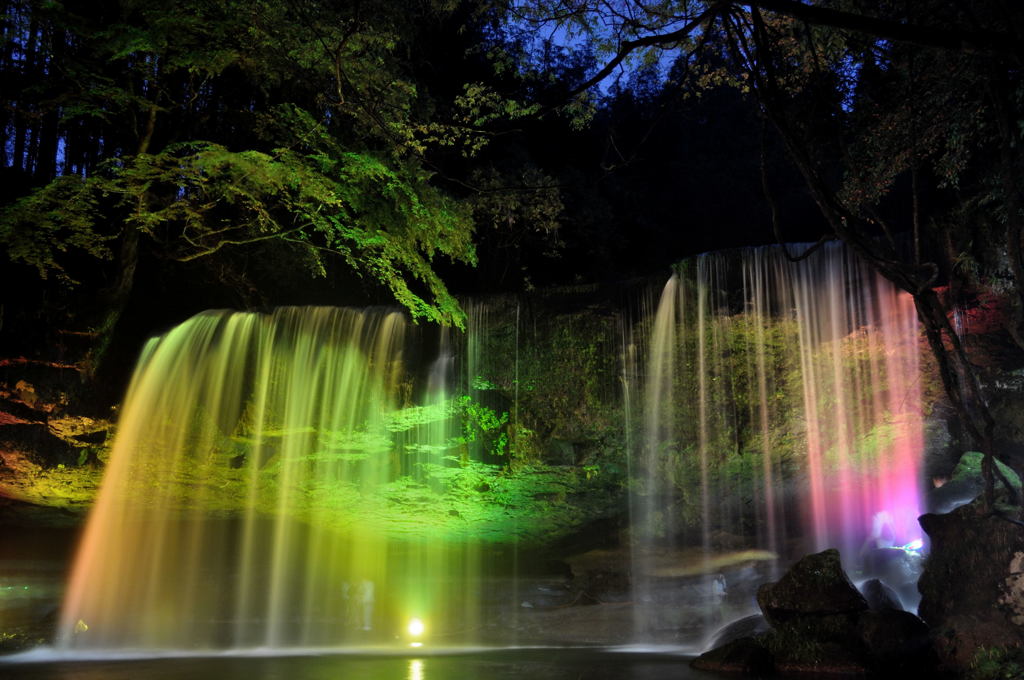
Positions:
(965, 484)
(896, 567)
(880, 596)
(816, 585)
(821, 624)
(746, 655)
(972, 588)
(748, 626)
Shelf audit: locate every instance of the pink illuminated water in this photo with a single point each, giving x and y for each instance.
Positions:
(782, 414)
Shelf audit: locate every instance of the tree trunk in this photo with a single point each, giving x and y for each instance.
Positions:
(118, 295)
(959, 379)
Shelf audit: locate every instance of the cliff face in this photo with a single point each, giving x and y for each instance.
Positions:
(51, 456)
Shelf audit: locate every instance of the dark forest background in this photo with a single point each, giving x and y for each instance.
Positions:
(158, 159)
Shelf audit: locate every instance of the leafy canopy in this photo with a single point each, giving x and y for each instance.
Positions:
(203, 127)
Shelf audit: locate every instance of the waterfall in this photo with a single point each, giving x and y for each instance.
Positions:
(782, 414)
(307, 421)
(317, 477)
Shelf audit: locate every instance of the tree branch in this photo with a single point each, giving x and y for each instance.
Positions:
(627, 47)
(986, 42)
(228, 242)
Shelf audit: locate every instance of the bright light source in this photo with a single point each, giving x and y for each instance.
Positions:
(914, 545)
(416, 627)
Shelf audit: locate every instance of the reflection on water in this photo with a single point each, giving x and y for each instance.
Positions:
(535, 664)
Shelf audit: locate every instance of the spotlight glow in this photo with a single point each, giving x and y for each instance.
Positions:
(415, 627)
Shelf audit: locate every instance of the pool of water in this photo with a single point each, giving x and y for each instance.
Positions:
(550, 663)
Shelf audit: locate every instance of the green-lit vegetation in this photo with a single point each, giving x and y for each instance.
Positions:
(448, 496)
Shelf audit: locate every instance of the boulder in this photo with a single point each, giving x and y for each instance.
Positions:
(817, 659)
(821, 624)
(972, 590)
(746, 655)
(880, 596)
(893, 638)
(815, 586)
(747, 626)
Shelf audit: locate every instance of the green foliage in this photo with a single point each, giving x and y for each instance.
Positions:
(997, 663)
(969, 467)
(196, 198)
(484, 425)
(274, 130)
(528, 202)
(38, 228)
(414, 416)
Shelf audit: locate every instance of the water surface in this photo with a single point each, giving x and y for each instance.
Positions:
(533, 664)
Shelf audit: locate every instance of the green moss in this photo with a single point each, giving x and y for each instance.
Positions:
(969, 467)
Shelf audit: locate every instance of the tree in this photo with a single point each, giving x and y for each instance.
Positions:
(867, 98)
(191, 128)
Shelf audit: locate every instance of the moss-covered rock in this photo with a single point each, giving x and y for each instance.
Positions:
(814, 586)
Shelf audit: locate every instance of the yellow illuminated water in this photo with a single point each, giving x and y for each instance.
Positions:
(264, 489)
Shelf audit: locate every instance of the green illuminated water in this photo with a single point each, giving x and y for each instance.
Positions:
(277, 481)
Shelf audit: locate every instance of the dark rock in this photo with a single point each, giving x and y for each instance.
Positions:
(746, 655)
(821, 624)
(97, 437)
(601, 575)
(818, 659)
(972, 588)
(838, 628)
(962, 639)
(20, 410)
(893, 637)
(748, 626)
(801, 647)
(37, 382)
(39, 443)
(952, 494)
(880, 596)
(816, 585)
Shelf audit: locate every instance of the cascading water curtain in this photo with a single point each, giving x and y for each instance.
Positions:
(269, 486)
(782, 413)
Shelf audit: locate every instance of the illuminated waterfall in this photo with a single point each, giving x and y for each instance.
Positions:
(319, 477)
(307, 420)
(782, 414)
